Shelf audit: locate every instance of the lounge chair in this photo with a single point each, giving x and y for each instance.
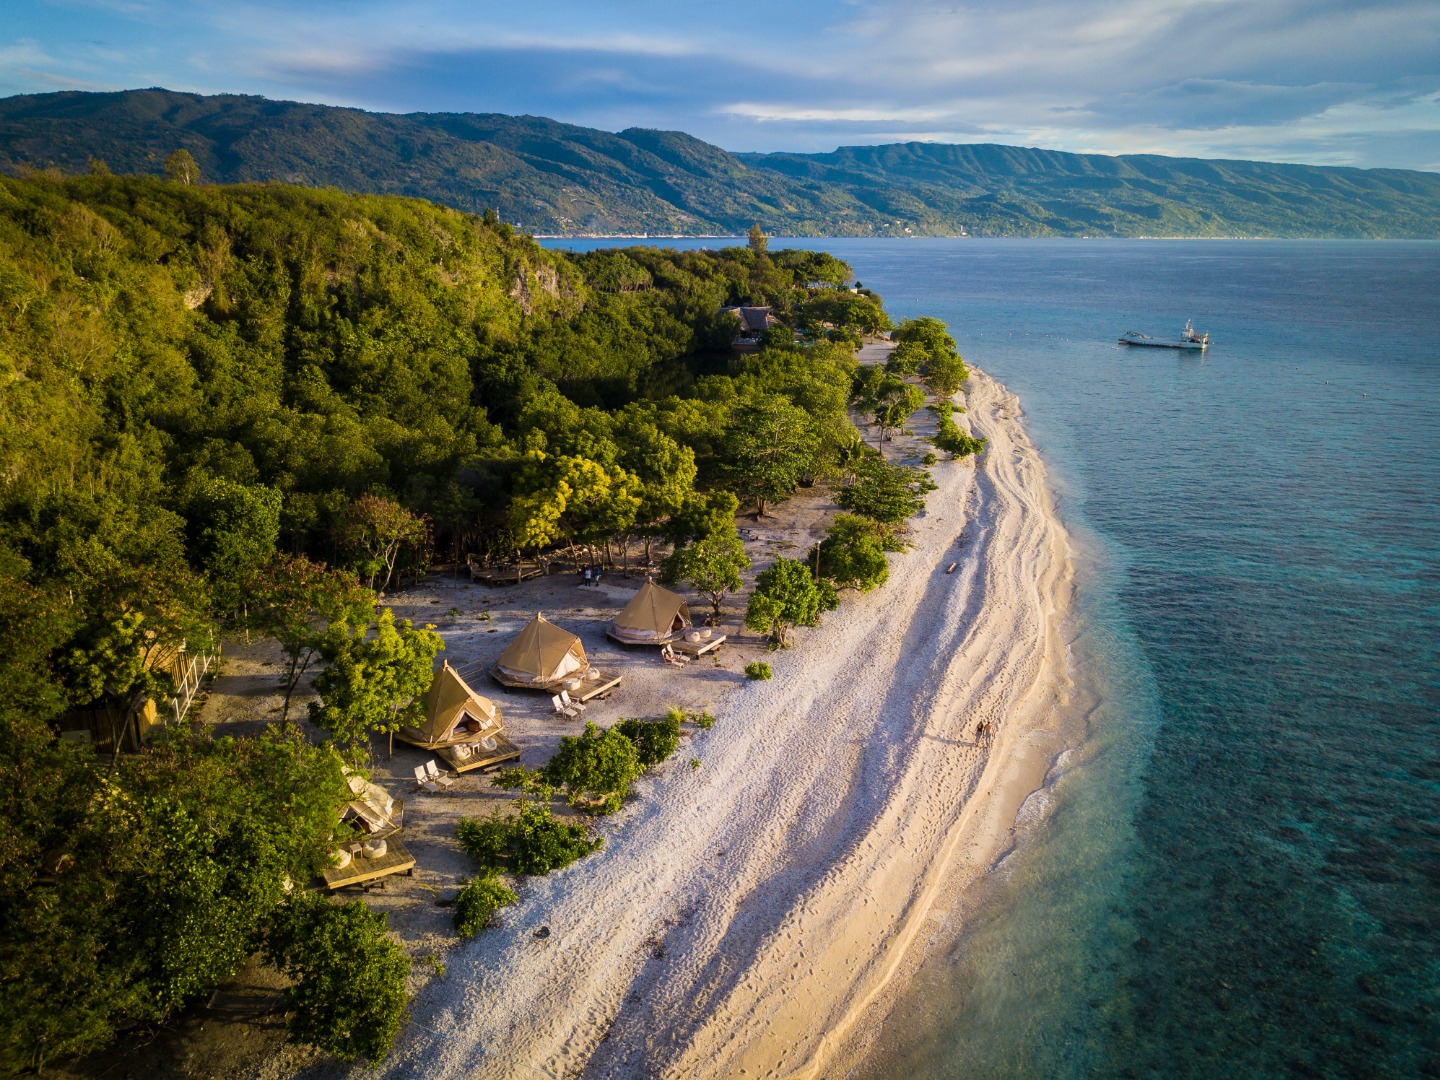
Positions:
(573, 705)
(432, 770)
(562, 709)
(423, 781)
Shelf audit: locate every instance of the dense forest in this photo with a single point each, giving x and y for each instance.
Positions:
(560, 178)
(253, 409)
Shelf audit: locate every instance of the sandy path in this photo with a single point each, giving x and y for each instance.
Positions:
(743, 914)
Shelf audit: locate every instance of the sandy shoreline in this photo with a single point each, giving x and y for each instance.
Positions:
(746, 917)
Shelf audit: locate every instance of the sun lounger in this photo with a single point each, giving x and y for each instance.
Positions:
(562, 709)
(574, 706)
(432, 770)
(423, 781)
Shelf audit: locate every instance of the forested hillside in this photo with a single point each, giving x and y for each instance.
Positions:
(249, 410)
(560, 178)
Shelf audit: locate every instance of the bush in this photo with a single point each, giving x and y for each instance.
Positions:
(348, 991)
(929, 458)
(533, 842)
(759, 670)
(786, 595)
(852, 555)
(655, 740)
(951, 439)
(477, 902)
(598, 764)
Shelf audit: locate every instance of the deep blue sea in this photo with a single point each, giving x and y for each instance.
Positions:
(1236, 871)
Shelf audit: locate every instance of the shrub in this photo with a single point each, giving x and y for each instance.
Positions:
(598, 764)
(348, 991)
(852, 555)
(759, 670)
(533, 842)
(929, 458)
(478, 901)
(952, 440)
(655, 740)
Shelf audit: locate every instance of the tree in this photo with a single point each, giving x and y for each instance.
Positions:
(297, 600)
(531, 842)
(905, 359)
(574, 498)
(655, 740)
(852, 555)
(887, 399)
(477, 903)
(701, 515)
(785, 596)
(600, 764)
(664, 468)
(238, 527)
(348, 991)
(373, 684)
(377, 528)
(711, 566)
(928, 339)
(766, 449)
(757, 240)
(886, 493)
(180, 166)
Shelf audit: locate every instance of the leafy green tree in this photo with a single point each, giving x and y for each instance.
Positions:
(887, 399)
(711, 566)
(238, 528)
(786, 596)
(347, 995)
(664, 468)
(949, 437)
(701, 516)
(477, 902)
(598, 765)
(373, 683)
(907, 358)
(852, 555)
(886, 493)
(531, 842)
(297, 600)
(766, 449)
(757, 240)
(377, 529)
(655, 740)
(181, 167)
(572, 498)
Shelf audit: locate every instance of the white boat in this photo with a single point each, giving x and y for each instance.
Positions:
(1189, 339)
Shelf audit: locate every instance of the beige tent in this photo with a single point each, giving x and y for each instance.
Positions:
(653, 617)
(453, 713)
(541, 656)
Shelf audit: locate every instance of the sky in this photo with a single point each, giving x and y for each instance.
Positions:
(1326, 82)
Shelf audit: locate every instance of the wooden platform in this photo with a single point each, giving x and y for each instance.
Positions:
(590, 688)
(396, 860)
(594, 688)
(505, 575)
(504, 750)
(698, 648)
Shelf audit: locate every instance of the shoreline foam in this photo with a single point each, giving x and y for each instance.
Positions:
(745, 917)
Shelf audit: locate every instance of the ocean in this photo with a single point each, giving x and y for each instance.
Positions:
(1236, 869)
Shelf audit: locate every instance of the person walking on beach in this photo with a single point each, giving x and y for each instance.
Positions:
(979, 732)
(587, 575)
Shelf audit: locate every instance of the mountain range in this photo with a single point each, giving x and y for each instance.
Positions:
(554, 178)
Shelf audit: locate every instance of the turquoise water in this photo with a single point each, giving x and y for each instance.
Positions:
(1237, 871)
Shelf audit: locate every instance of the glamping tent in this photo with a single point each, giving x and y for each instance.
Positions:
(653, 617)
(454, 713)
(541, 657)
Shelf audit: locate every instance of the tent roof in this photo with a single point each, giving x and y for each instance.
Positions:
(449, 696)
(653, 609)
(540, 648)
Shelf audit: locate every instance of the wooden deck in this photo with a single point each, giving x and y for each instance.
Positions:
(504, 750)
(698, 648)
(396, 860)
(590, 688)
(497, 576)
(594, 688)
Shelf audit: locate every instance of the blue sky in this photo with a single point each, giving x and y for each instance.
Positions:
(1352, 82)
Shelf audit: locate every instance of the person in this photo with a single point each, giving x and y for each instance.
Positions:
(597, 577)
(587, 575)
(979, 732)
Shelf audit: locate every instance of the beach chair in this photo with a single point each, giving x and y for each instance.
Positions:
(575, 706)
(432, 770)
(423, 781)
(561, 709)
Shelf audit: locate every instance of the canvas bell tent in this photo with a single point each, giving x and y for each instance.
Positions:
(541, 657)
(653, 617)
(454, 713)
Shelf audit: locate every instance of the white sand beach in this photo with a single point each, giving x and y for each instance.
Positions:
(747, 917)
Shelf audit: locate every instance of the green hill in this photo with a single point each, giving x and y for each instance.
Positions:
(551, 177)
